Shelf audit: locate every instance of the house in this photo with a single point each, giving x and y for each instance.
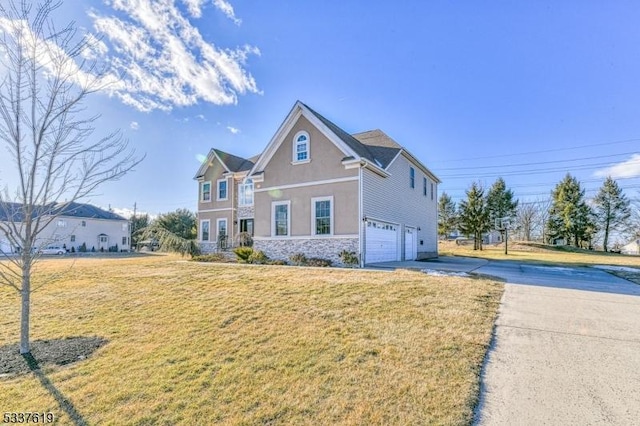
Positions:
(76, 226)
(318, 190)
(631, 248)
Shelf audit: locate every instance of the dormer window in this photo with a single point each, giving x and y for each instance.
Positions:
(301, 147)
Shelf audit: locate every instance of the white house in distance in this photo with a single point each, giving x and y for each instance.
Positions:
(631, 248)
(78, 226)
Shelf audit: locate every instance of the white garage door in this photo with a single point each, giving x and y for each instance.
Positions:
(410, 246)
(381, 242)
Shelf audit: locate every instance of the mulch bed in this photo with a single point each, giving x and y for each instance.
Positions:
(55, 352)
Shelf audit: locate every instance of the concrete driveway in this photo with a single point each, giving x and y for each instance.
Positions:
(566, 347)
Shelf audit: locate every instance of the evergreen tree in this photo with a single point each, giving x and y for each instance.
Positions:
(500, 202)
(474, 215)
(613, 209)
(570, 217)
(447, 216)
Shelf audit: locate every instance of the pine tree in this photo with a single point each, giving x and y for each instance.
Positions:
(500, 202)
(613, 209)
(474, 215)
(447, 216)
(570, 217)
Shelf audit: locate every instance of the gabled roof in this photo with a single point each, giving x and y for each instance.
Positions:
(231, 163)
(382, 147)
(15, 212)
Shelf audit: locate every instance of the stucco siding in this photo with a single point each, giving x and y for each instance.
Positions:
(213, 174)
(324, 159)
(345, 208)
(392, 199)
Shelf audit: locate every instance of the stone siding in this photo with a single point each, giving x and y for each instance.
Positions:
(324, 248)
(246, 212)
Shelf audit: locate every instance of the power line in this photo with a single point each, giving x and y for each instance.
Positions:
(545, 151)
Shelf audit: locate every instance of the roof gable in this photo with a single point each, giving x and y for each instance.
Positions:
(328, 129)
(231, 163)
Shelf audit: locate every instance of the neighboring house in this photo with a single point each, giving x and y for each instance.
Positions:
(631, 248)
(77, 224)
(317, 190)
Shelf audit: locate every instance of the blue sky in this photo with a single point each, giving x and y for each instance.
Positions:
(475, 90)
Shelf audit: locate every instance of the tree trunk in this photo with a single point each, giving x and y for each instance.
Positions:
(26, 304)
(606, 236)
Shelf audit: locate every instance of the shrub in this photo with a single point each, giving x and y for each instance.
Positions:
(73, 249)
(349, 258)
(93, 249)
(279, 262)
(213, 257)
(243, 253)
(83, 248)
(258, 257)
(244, 239)
(298, 259)
(315, 261)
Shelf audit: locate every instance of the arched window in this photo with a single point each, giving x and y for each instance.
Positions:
(246, 193)
(301, 147)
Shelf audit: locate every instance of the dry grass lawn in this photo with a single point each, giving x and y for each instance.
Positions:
(196, 343)
(539, 253)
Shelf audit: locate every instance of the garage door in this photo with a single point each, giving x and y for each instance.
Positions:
(410, 246)
(381, 242)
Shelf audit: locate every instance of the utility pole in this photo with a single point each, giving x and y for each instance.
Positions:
(506, 239)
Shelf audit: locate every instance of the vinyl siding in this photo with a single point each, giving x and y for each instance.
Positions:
(392, 199)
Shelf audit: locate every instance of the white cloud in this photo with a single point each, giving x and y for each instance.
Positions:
(233, 130)
(128, 213)
(164, 60)
(134, 125)
(626, 169)
(201, 117)
(227, 9)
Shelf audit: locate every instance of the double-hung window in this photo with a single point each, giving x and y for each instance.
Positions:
(204, 230)
(281, 218)
(412, 177)
(206, 191)
(322, 216)
(222, 190)
(424, 186)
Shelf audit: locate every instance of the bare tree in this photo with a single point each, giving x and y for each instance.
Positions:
(47, 74)
(543, 207)
(526, 218)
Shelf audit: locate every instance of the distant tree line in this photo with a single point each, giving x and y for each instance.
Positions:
(566, 217)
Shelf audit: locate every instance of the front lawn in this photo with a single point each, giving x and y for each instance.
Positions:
(191, 343)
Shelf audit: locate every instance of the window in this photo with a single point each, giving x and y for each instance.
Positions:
(73, 238)
(301, 147)
(412, 177)
(62, 223)
(245, 193)
(124, 241)
(104, 238)
(84, 223)
(222, 189)
(204, 230)
(322, 215)
(424, 186)
(281, 218)
(432, 191)
(222, 227)
(206, 191)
